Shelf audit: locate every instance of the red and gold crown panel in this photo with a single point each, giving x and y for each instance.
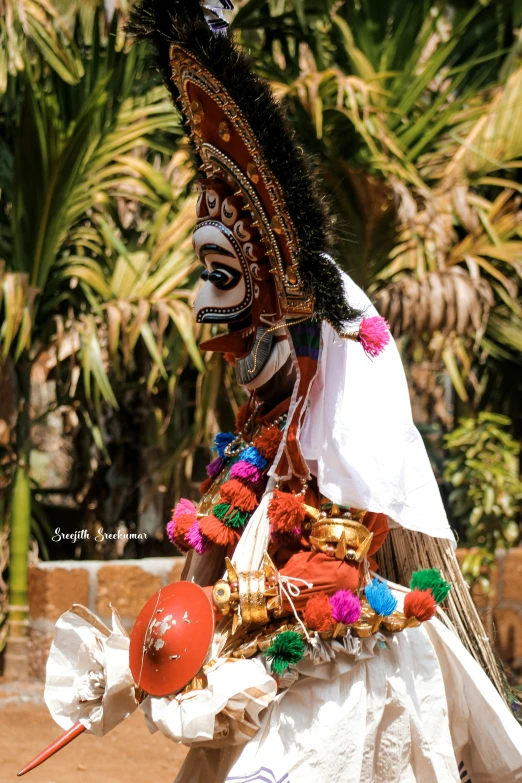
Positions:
(228, 149)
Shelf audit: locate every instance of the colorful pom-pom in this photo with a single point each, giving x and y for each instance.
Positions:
(317, 613)
(197, 540)
(245, 471)
(374, 335)
(239, 495)
(221, 441)
(267, 442)
(420, 604)
(252, 455)
(183, 517)
(230, 516)
(380, 598)
(212, 528)
(286, 649)
(184, 506)
(215, 467)
(286, 513)
(431, 579)
(346, 607)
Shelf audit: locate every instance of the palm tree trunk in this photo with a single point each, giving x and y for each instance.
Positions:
(16, 654)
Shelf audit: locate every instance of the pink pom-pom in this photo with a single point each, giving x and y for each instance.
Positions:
(214, 468)
(246, 472)
(374, 335)
(346, 607)
(183, 517)
(184, 506)
(197, 540)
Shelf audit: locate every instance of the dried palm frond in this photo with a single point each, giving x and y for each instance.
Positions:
(451, 302)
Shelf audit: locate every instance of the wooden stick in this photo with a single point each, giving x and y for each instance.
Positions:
(54, 747)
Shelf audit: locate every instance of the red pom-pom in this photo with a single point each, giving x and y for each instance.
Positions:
(267, 442)
(179, 529)
(317, 613)
(420, 604)
(241, 417)
(205, 485)
(286, 513)
(212, 527)
(374, 335)
(238, 495)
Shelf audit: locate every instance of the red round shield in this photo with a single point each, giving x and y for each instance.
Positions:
(171, 638)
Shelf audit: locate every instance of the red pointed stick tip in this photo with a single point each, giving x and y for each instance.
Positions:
(54, 747)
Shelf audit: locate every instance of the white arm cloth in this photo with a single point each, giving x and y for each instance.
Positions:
(88, 676)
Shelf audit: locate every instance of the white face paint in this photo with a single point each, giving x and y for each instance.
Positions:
(227, 292)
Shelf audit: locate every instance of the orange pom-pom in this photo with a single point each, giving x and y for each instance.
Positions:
(241, 417)
(183, 524)
(420, 604)
(216, 531)
(267, 442)
(205, 485)
(238, 495)
(317, 613)
(286, 513)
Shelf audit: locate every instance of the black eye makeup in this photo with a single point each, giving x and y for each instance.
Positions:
(221, 276)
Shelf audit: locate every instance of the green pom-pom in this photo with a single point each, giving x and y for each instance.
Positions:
(287, 648)
(231, 517)
(221, 510)
(431, 579)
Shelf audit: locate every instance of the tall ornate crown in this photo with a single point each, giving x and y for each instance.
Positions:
(242, 139)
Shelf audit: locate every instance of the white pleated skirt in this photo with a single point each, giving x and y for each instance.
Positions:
(418, 709)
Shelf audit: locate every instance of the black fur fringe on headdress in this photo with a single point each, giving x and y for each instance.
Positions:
(181, 21)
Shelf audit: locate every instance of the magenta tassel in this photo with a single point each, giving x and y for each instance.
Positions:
(346, 607)
(215, 467)
(246, 472)
(374, 335)
(171, 528)
(197, 540)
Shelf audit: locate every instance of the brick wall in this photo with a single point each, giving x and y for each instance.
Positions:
(55, 586)
(128, 584)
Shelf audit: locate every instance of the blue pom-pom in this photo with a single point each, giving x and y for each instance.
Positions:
(252, 455)
(221, 441)
(380, 598)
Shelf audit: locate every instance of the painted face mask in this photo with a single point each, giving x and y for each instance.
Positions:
(262, 233)
(238, 289)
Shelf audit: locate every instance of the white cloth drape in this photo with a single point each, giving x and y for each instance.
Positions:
(359, 438)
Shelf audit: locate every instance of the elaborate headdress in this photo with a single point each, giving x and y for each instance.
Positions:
(244, 145)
